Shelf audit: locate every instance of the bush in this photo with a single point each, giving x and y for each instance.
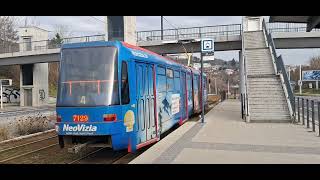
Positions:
(32, 125)
(3, 133)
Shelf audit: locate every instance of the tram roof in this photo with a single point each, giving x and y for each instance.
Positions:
(157, 56)
(127, 46)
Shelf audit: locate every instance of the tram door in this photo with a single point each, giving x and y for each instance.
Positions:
(184, 100)
(146, 126)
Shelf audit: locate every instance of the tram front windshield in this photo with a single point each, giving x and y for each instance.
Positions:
(88, 77)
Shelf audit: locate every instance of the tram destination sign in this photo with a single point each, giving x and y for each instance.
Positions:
(311, 75)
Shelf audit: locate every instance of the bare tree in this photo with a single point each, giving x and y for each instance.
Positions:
(64, 31)
(7, 31)
(8, 38)
(315, 62)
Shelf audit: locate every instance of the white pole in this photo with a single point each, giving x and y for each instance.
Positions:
(289, 74)
(228, 88)
(300, 85)
(1, 94)
(215, 85)
(210, 87)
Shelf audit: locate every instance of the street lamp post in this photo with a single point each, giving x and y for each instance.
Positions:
(228, 87)
(215, 85)
(202, 89)
(161, 27)
(1, 91)
(106, 38)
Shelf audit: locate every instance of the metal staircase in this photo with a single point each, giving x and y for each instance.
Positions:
(267, 97)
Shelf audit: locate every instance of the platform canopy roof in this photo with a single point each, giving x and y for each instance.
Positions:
(311, 21)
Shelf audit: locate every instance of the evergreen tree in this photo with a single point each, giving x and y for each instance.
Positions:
(56, 41)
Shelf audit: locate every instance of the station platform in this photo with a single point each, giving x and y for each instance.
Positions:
(225, 138)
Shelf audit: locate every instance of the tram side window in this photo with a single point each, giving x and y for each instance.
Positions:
(125, 98)
(169, 80)
(176, 80)
(205, 83)
(195, 82)
(189, 82)
(161, 79)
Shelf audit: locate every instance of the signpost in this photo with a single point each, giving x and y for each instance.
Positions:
(207, 48)
(1, 92)
(4, 82)
(300, 81)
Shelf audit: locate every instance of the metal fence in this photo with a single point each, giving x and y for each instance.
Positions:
(288, 27)
(307, 113)
(213, 31)
(45, 44)
(190, 33)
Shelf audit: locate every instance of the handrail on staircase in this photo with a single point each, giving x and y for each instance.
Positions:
(246, 99)
(280, 69)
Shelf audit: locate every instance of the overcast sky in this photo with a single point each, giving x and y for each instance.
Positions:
(88, 25)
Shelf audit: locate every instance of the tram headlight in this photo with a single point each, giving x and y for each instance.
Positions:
(57, 128)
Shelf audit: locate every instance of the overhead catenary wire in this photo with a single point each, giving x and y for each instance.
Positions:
(184, 48)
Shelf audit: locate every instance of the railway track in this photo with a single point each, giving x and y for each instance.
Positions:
(18, 146)
(27, 153)
(100, 156)
(41, 147)
(28, 148)
(86, 156)
(44, 149)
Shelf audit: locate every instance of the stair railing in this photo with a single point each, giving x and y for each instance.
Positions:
(246, 99)
(270, 45)
(280, 69)
(284, 78)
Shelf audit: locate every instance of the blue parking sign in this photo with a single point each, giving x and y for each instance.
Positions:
(207, 45)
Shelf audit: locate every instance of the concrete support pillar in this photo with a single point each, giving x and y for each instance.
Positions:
(130, 35)
(34, 84)
(121, 28)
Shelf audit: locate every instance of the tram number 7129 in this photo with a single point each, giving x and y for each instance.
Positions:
(80, 118)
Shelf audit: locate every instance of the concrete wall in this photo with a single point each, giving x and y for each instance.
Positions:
(248, 21)
(40, 87)
(41, 84)
(36, 34)
(11, 95)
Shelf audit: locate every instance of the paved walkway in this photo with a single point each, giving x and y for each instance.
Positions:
(225, 138)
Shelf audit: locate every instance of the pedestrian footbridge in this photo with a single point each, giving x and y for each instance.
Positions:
(227, 37)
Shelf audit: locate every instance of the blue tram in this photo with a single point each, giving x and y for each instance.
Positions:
(122, 95)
